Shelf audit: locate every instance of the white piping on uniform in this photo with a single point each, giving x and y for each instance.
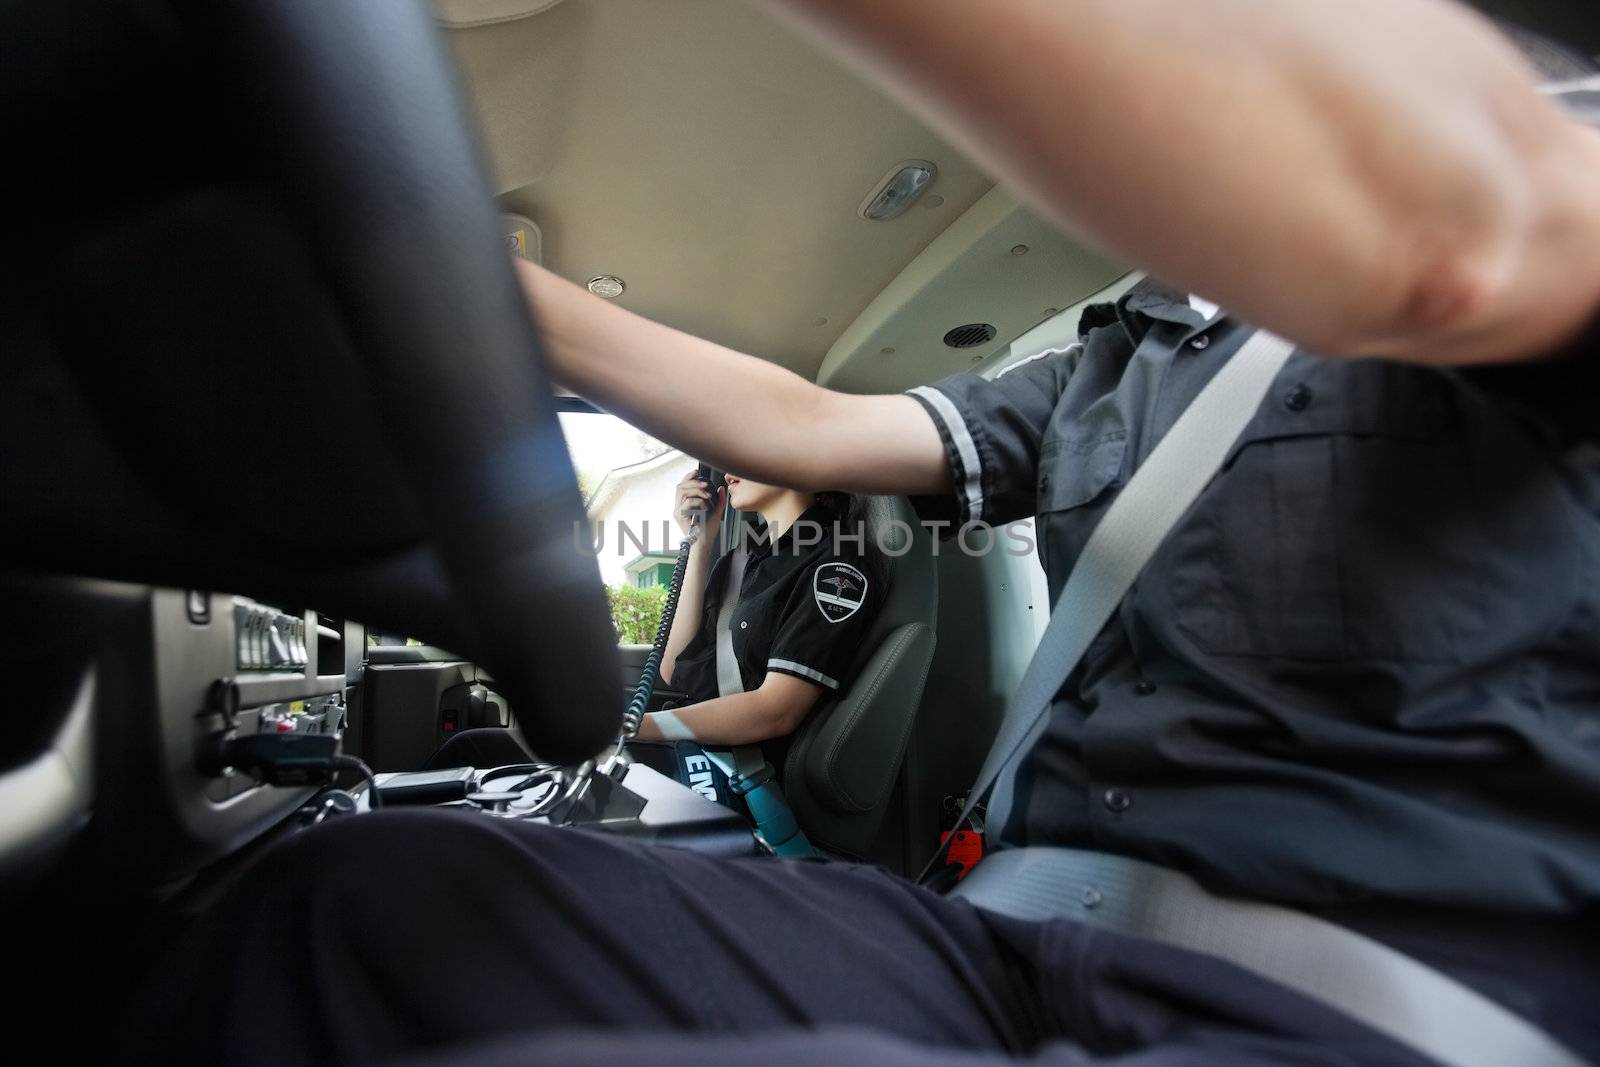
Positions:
(802, 670)
(972, 489)
(1067, 351)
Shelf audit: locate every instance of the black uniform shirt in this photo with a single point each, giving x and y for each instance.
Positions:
(804, 607)
(1365, 666)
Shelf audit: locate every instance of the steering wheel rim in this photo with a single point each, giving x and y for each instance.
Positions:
(497, 491)
(337, 131)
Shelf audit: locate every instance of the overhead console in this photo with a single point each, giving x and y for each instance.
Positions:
(997, 272)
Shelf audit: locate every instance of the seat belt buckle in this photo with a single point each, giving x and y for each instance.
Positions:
(742, 784)
(965, 846)
(966, 849)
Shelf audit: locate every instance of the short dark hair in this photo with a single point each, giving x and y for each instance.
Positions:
(847, 509)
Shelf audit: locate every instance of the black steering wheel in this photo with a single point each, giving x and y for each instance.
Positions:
(277, 348)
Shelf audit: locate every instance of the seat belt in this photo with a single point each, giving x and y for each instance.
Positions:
(749, 774)
(729, 678)
(1362, 978)
(1133, 527)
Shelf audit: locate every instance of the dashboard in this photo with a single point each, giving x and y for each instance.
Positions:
(125, 676)
(128, 697)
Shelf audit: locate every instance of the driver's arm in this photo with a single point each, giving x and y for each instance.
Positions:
(774, 709)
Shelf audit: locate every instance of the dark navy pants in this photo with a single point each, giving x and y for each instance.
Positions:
(452, 937)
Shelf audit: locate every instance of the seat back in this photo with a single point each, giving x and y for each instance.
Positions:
(842, 767)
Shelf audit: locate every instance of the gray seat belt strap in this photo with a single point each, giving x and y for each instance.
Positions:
(746, 765)
(1364, 979)
(729, 680)
(743, 761)
(1132, 529)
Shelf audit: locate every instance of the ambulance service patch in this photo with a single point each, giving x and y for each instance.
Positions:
(839, 589)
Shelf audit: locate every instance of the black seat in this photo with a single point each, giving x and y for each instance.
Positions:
(841, 770)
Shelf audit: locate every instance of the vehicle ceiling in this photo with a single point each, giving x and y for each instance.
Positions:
(715, 161)
(709, 157)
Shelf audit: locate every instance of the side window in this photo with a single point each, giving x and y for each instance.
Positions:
(628, 480)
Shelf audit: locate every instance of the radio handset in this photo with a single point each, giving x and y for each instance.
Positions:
(715, 480)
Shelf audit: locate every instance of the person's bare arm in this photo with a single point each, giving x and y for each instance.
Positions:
(691, 605)
(692, 495)
(734, 411)
(1361, 176)
(776, 708)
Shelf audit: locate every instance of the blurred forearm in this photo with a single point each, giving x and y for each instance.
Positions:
(1362, 176)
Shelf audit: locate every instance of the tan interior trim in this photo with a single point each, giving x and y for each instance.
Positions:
(999, 264)
(464, 14)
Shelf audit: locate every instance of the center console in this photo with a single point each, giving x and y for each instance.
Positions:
(620, 797)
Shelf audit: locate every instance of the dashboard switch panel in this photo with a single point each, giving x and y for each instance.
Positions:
(268, 639)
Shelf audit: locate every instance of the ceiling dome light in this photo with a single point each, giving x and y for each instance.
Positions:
(607, 285)
(522, 237)
(897, 190)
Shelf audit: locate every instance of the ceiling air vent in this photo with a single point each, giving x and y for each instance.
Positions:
(970, 335)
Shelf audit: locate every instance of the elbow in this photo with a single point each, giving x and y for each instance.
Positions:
(788, 720)
(780, 715)
(1478, 265)
(790, 714)
(1449, 295)
(1425, 297)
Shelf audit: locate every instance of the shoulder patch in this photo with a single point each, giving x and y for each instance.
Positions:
(839, 589)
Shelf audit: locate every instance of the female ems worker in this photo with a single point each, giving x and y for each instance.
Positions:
(809, 587)
(807, 592)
